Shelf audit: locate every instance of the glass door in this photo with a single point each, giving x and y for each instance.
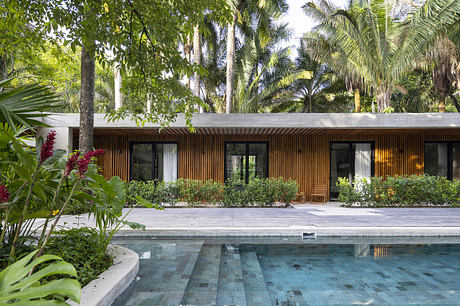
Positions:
(153, 161)
(235, 161)
(350, 160)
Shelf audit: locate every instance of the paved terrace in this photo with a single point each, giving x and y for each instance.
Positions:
(325, 220)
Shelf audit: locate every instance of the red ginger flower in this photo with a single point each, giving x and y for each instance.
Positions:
(84, 162)
(71, 163)
(4, 194)
(48, 147)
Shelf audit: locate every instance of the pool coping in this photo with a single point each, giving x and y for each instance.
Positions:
(295, 231)
(112, 282)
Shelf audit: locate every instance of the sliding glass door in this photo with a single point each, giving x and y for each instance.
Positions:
(153, 161)
(350, 160)
(443, 159)
(246, 160)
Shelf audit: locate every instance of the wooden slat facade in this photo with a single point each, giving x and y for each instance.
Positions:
(302, 157)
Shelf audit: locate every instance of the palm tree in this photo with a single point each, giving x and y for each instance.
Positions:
(21, 105)
(377, 39)
(320, 90)
(245, 14)
(214, 50)
(197, 61)
(444, 61)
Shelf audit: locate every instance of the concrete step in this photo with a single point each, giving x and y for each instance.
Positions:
(254, 282)
(172, 268)
(230, 290)
(202, 286)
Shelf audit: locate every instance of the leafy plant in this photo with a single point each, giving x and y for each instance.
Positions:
(21, 105)
(234, 193)
(393, 191)
(18, 288)
(109, 199)
(81, 248)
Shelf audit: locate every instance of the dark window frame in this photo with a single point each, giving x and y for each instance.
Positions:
(450, 156)
(154, 151)
(351, 173)
(246, 156)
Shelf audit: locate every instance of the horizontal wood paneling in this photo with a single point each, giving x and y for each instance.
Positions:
(304, 158)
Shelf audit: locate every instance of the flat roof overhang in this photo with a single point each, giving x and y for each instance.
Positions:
(277, 123)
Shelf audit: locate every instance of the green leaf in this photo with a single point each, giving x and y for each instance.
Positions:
(143, 202)
(134, 225)
(16, 288)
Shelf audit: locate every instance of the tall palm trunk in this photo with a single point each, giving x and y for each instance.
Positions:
(117, 77)
(230, 64)
(357, 101)
(188, 56)
(197, 60)
(86, 102)
(442, 104)
(383, 99)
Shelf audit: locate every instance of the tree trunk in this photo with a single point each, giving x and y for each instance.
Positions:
(310, 103)
(383, 99)
(86, 102)
(457, 105)
(230, 64)
(442, 104)
(357, 101)
(3, 67)
(117, 75)
(188, 56)
(197, 60)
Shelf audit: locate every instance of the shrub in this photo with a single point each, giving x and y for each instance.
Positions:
(81, 248)
(234, 193)
(414, 190)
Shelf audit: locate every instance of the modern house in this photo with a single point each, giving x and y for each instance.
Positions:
(313, 149)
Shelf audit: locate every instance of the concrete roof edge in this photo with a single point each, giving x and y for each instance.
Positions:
(279, 120)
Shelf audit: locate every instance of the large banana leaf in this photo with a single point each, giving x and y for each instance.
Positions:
(17, 288)
(23, 104)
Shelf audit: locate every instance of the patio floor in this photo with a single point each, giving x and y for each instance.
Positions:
(328, 220)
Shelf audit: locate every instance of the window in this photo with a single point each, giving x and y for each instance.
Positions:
(151, 161)
(443, 159)
(350, 160)
(246, 160)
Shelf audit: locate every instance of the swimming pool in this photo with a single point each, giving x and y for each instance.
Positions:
(284, 272)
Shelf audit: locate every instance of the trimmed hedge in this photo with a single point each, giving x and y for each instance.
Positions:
(400, 191)
(235, 193)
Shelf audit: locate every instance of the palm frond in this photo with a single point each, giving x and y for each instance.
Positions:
(22, 104)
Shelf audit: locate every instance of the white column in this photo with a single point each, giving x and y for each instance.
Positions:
(117, 75)
(149, 105)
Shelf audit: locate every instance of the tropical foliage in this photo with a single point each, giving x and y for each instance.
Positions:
(414, 190)
(18, 286)
(385, 55)
(377, 41)
(234, 193)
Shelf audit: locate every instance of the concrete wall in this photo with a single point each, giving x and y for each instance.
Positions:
(64, 137)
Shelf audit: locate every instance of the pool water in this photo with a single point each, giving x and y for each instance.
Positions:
(207, 273)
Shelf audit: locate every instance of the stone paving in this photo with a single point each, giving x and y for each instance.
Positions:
(330, 219)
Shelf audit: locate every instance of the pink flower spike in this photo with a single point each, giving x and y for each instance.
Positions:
(84, 162)
(71, 163)
(4, 194)
(48, 147)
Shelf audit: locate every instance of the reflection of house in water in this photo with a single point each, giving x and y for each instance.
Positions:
(384, 251)
(362, 250)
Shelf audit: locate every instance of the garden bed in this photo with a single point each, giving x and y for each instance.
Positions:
(270, 192)
(111, 283)
(400, 191)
